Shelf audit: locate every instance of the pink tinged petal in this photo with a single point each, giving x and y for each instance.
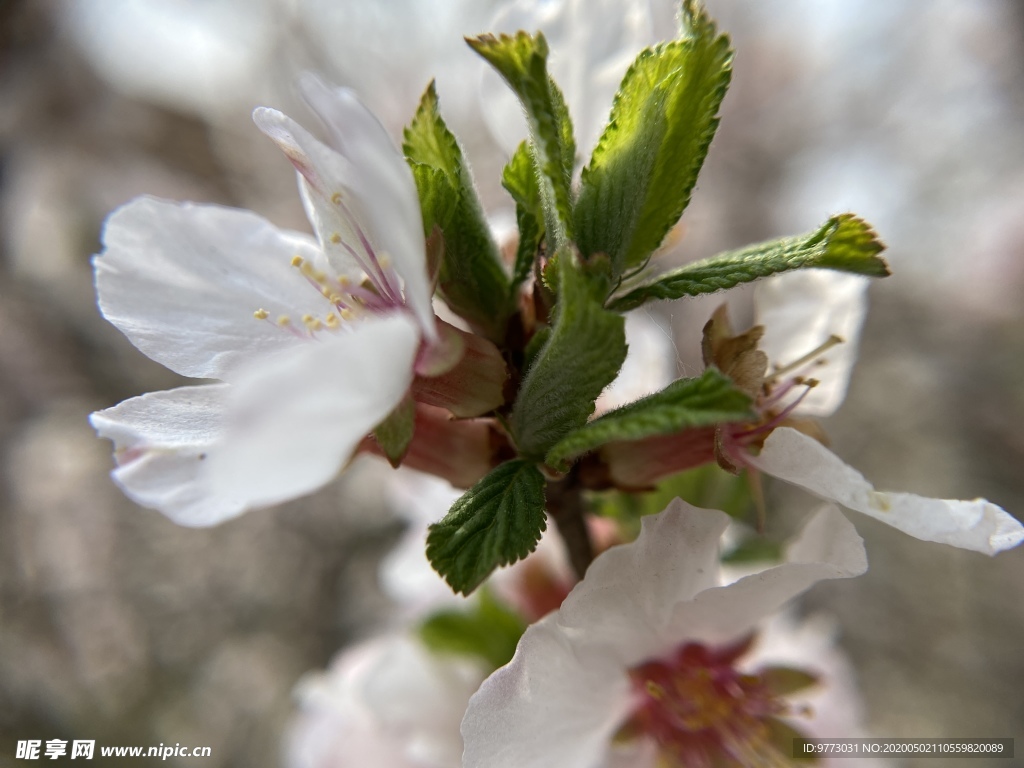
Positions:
(387, 201)
(557, 703)
(977, 525)
(362, 198)
(344, 253)
(330, 187)
(162, 442)
(296, 419)
(182, 282)
(800, 310)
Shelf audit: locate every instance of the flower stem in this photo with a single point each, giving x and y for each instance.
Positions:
(565, 506)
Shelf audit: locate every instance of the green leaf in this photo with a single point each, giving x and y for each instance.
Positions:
(710, 399)
(521, 59)
(520, 179)
(496, 522)
(487, 630)
(644, 168)
(471, 278)
(582, 355)
(438, 198)
(844, 243)
(394, 434)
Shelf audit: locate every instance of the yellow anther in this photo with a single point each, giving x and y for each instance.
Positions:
(336, 198)
(333, 321)
(384, 260)
(261, 314)
(297, 261)
(334, 298)
(347, 314)
(312, 323)
(320, 277)
(284, 320)
(335, 237)
(655, 691)
(343, 281)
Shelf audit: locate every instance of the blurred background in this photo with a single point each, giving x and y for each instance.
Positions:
(116, 625)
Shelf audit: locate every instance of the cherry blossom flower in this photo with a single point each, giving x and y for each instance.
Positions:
(800, 313)
(641, 660)
(808, 324)
(388, 702)
(315, 341)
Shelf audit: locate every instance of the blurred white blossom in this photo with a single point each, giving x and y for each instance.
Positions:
(388, 702)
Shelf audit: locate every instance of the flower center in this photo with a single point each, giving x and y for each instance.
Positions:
(702, 711)
(341, 300)
(782, 393)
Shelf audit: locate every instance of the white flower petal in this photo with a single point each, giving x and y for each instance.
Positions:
(182, 281)
(553, 704)
(629, 592)
(800, 310)
(649, 365)
(344, 722)
(566, 691)
(389, 201)
(977, 525)
(162, 442)
(364, 193)
(323, 173)
(827, 548)
(297, 418)
(406, 575)
(420, 697)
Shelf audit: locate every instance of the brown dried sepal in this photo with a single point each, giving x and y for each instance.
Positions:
(735, 355)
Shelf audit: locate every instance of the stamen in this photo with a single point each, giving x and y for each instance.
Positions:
(810, 357)
(332, 321)
(335, 237)
(297, 261)
(284, 320)
(336, 198)
(768, 426)
(261, 314)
